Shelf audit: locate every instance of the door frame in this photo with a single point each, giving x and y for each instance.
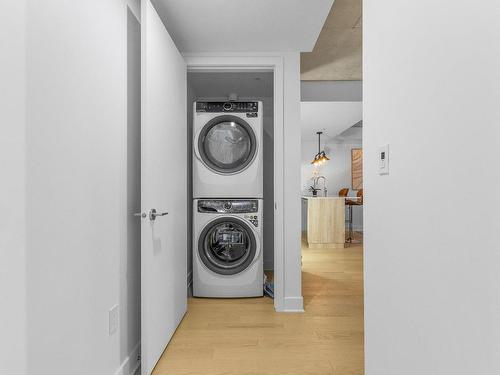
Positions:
(230, 62)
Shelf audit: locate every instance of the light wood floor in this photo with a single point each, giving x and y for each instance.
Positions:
(246, 336)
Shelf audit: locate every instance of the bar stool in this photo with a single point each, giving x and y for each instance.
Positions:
(344, 192)
(350, 203)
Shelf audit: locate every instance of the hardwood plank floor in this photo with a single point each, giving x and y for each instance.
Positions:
(246, 336)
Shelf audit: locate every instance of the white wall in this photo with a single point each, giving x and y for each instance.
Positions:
(12, 189)
(432, 259)
(191, 97)
(76, 170)
(337, 172)
(291, 183)
(268, 171)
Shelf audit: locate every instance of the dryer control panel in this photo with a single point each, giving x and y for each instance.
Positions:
(253, 219)
(228, 206)
(230, 107)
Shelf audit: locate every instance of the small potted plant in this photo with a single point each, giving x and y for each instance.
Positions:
(314, 191)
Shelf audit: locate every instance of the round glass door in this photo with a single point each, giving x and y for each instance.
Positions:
(227, 144)
(227, 246)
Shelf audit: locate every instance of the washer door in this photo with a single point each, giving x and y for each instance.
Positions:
(227, 246)
(227, 144)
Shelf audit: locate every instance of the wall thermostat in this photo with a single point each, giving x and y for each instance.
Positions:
(383, 159)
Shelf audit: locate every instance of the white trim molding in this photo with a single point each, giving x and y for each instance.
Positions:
(294, 304)
(131, 363)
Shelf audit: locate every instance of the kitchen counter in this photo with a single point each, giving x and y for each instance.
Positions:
(325, 221)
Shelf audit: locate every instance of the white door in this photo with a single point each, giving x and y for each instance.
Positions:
(163, 187)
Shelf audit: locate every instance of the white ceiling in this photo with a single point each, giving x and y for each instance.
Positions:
(221, 84)
(243, 25)
(330, 117)
(354, 134)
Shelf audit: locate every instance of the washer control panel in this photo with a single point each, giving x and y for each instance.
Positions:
(229, 206)
(251, 108)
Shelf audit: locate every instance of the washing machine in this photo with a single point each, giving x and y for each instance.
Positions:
(227, 147)
(227, 248)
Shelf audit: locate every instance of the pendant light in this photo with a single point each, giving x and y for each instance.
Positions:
(320, 157)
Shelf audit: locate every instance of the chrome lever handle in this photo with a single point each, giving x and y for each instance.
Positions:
(161, 214)
(153, 214)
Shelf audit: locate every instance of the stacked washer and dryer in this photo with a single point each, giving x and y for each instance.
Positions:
(227, 205)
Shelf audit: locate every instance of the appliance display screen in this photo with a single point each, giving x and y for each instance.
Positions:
(229, 237)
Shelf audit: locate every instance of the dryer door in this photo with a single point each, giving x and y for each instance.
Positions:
(227, 144)
(227, 246)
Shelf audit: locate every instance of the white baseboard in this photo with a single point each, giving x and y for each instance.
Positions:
(130, 365)
(293, 304)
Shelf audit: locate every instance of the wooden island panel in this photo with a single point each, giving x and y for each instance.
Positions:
(326, 222)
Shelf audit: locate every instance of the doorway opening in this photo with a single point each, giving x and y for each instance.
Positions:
(332, 221)
(340, 176)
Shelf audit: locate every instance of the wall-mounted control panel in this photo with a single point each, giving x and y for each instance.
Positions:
(383, 159)
(234, 206)
(230, 107)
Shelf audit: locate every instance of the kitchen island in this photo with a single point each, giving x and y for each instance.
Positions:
(325, 221)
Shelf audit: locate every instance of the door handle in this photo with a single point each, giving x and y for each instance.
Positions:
(153, 214)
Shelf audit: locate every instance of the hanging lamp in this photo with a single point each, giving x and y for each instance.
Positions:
(320, 157)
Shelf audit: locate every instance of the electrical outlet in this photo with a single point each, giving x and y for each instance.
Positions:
(113, 319)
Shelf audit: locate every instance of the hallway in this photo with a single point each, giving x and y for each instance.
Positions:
(246, 336)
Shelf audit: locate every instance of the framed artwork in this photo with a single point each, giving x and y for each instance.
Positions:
(357, 168)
